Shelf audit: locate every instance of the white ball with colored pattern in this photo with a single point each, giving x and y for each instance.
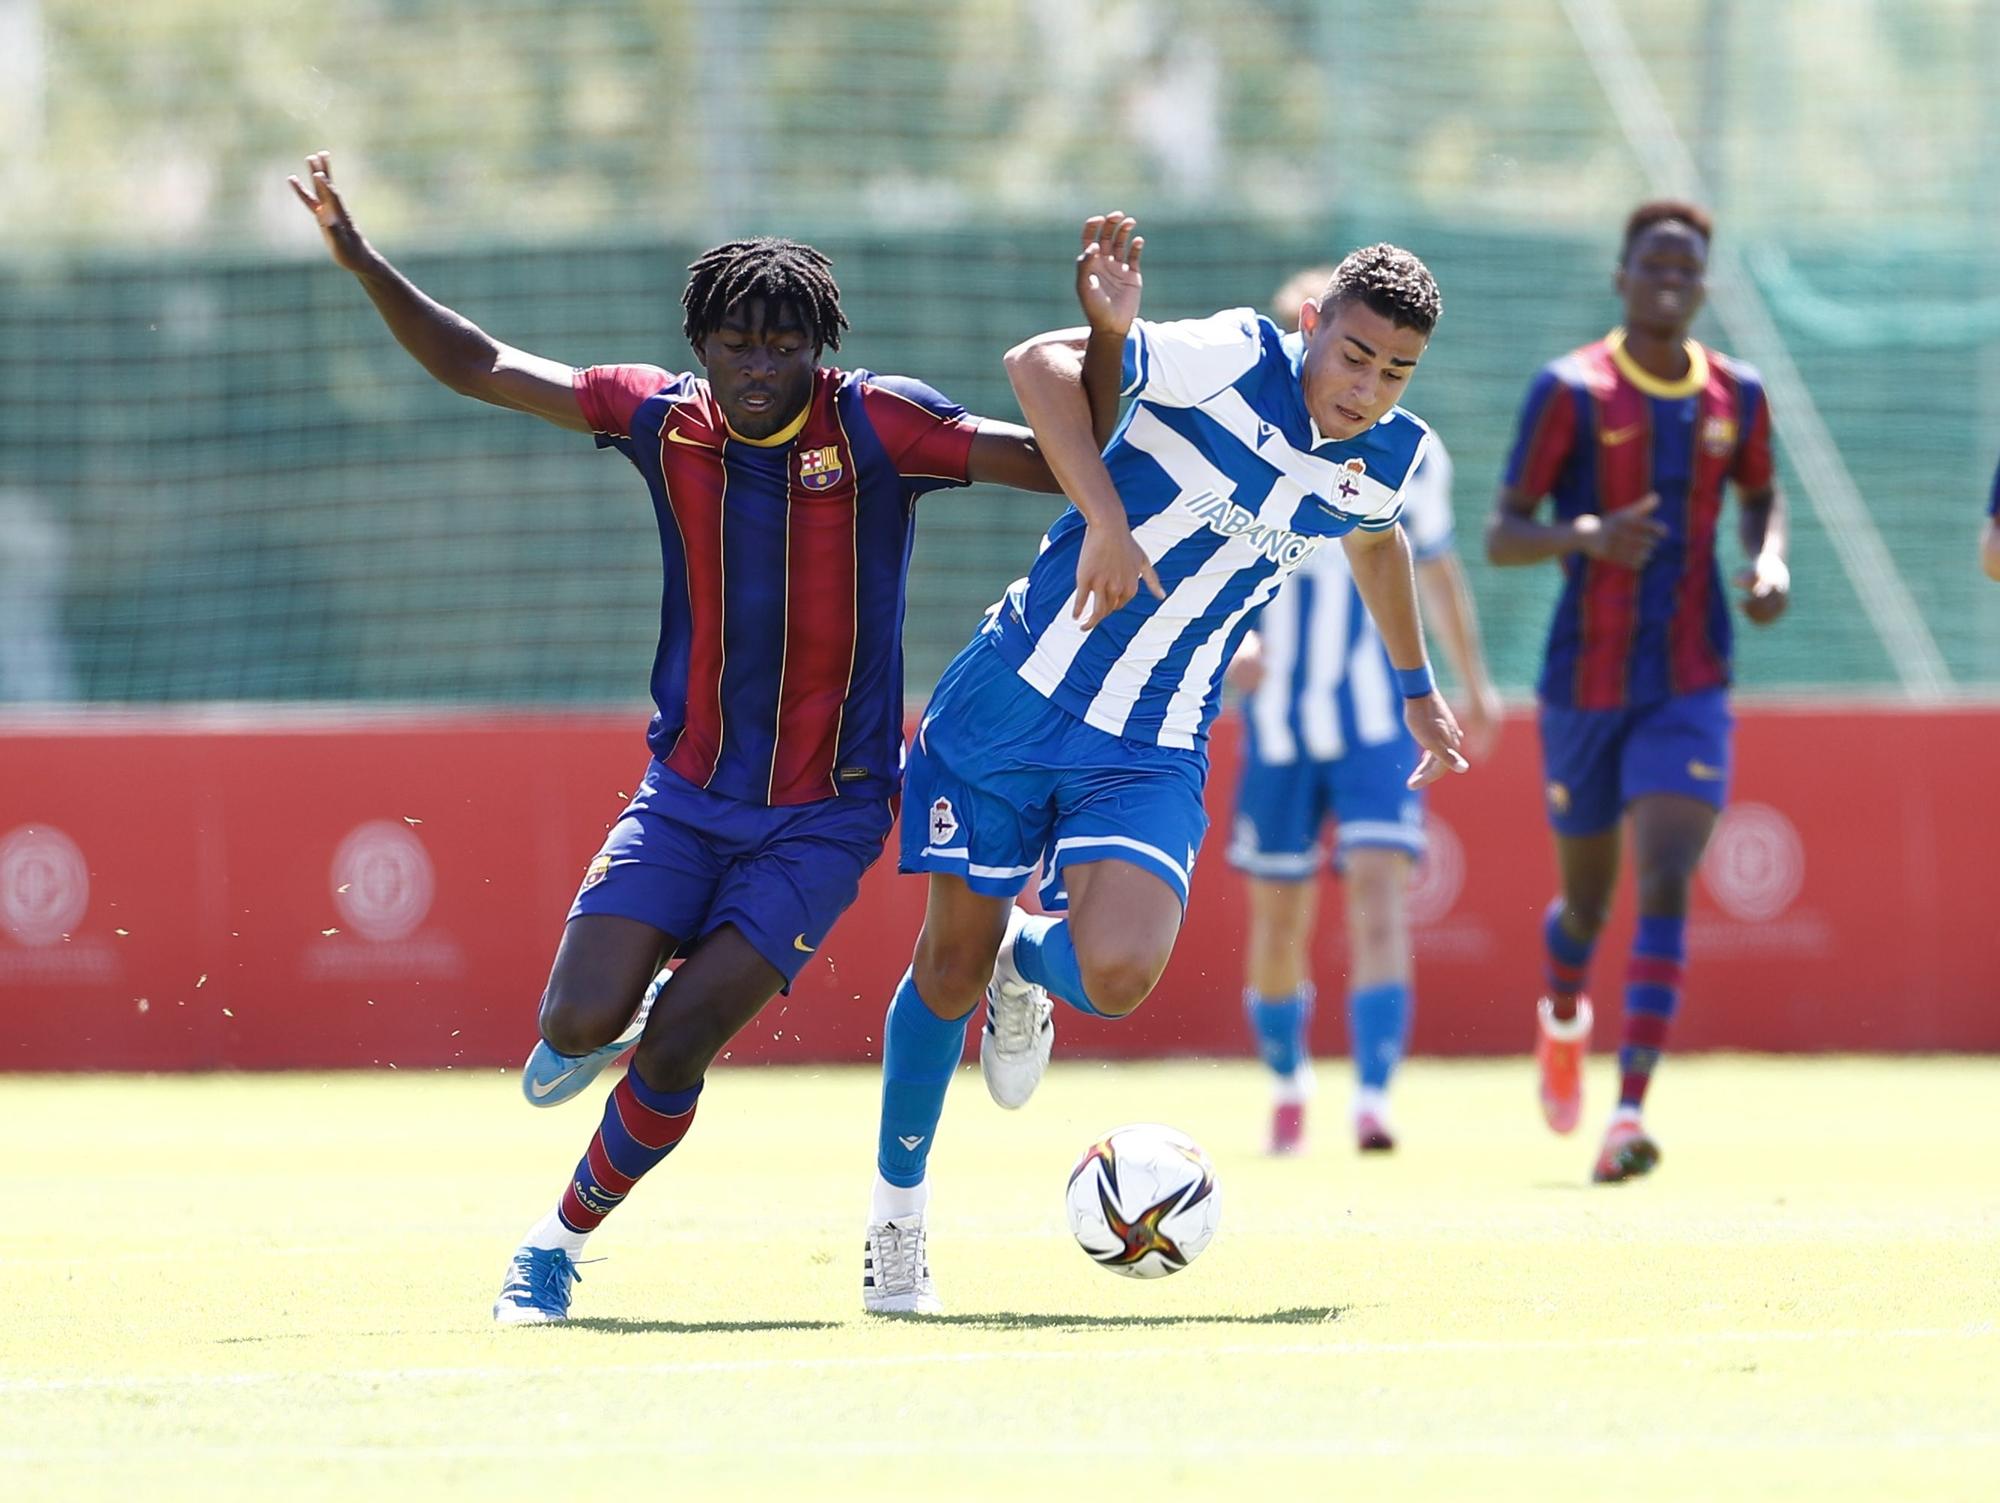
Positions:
(1143, 1201)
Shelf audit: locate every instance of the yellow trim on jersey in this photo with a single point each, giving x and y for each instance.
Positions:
(784, 435)
(1652, 385)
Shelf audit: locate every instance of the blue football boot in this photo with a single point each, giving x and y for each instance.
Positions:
(549, 1078)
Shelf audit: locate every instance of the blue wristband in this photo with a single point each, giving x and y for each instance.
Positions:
(1416, 682)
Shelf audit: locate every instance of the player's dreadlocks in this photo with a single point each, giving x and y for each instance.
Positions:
(1391, 281)
(1666, 211)
(772, 269)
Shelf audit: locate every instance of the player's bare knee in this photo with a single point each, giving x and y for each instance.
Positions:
(573, 1026)
(1663, 892)
(1118, 982)
(952, 973)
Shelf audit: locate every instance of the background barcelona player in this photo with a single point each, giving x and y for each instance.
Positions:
(785, 494)
(1633, 437)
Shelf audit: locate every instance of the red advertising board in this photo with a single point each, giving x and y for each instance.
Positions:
(214, 889)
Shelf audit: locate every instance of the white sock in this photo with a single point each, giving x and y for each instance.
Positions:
(898, 1202)
(1371, 1101)
(1570, 1029)
(551, 1232)
(1625, 1114)
(1295, 1089)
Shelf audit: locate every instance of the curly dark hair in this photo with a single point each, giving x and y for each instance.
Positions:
(1391, 281)
(766, 267)
(1666, 211)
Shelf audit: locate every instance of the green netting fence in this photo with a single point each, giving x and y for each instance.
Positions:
(220, 479)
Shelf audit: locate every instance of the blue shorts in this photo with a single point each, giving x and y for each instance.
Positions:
(1001, 781)
(1280, 807)
(1595, 762)
(688, 861)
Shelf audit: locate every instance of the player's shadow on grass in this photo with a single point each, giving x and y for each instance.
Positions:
(1016, 1320)
(612, 1326)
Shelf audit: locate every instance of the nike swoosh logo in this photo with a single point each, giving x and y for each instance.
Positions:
(1705, 772)
(1616, 436)
(800, 944)
(539, 1091)
(675, 436)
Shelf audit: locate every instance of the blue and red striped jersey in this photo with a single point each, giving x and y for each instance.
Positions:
(779, 675)
(1596, 434)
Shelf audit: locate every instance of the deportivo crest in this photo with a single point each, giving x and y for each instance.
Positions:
(1356, 466)
(820, 469)
(1718, 435)
(944, 821)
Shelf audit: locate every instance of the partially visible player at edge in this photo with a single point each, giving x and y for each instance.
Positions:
(1633, 436)
(1323, 735)
(1989, 536)
(1072, 732)
(785, 495)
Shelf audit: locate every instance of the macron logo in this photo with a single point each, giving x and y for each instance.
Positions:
(911, 1143)
(1288, 549)
(1264, 432)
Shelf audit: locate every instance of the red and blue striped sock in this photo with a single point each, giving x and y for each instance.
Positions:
(641, 1126)
(1652, 994)
(1568, 956)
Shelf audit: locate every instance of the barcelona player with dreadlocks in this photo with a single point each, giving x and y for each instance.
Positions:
(785, 493)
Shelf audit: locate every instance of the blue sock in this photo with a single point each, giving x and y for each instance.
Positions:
(1043, 953)
(1652, 997)
(1378, 1022)
(920, 1052)
(1279, 1024)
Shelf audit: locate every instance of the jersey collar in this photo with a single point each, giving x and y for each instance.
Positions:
(1652, 385)
(783, 436)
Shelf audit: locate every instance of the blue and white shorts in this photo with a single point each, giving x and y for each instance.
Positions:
(1000, 782)
(1281, 806)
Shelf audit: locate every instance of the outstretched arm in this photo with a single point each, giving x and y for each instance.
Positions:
(1381, 565)
(453, 349)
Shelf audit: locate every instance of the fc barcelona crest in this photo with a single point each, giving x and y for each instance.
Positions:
(820, 469)
(1718, 435)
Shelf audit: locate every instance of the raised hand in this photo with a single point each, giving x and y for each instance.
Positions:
(1626, 536)
(1107, 273)
(1108, 570)
(343, 241)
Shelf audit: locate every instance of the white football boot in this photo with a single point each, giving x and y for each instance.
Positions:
(896, 1270)
(1020, 1027)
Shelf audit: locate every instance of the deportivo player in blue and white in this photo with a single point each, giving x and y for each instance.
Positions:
(1071, 734)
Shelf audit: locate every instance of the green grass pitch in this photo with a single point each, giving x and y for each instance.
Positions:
(256, 1287)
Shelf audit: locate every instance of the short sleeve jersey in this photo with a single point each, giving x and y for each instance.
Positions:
(1597, 433)
(1328, 685)
(1229, 487)
(779, 674)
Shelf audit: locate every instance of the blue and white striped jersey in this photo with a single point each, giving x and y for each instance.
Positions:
(1328, 684)
(1229, 487)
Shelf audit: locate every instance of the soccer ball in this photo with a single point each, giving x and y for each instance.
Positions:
(1143, 1201)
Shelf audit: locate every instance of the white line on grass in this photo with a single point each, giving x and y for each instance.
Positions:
(1983, 1330)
